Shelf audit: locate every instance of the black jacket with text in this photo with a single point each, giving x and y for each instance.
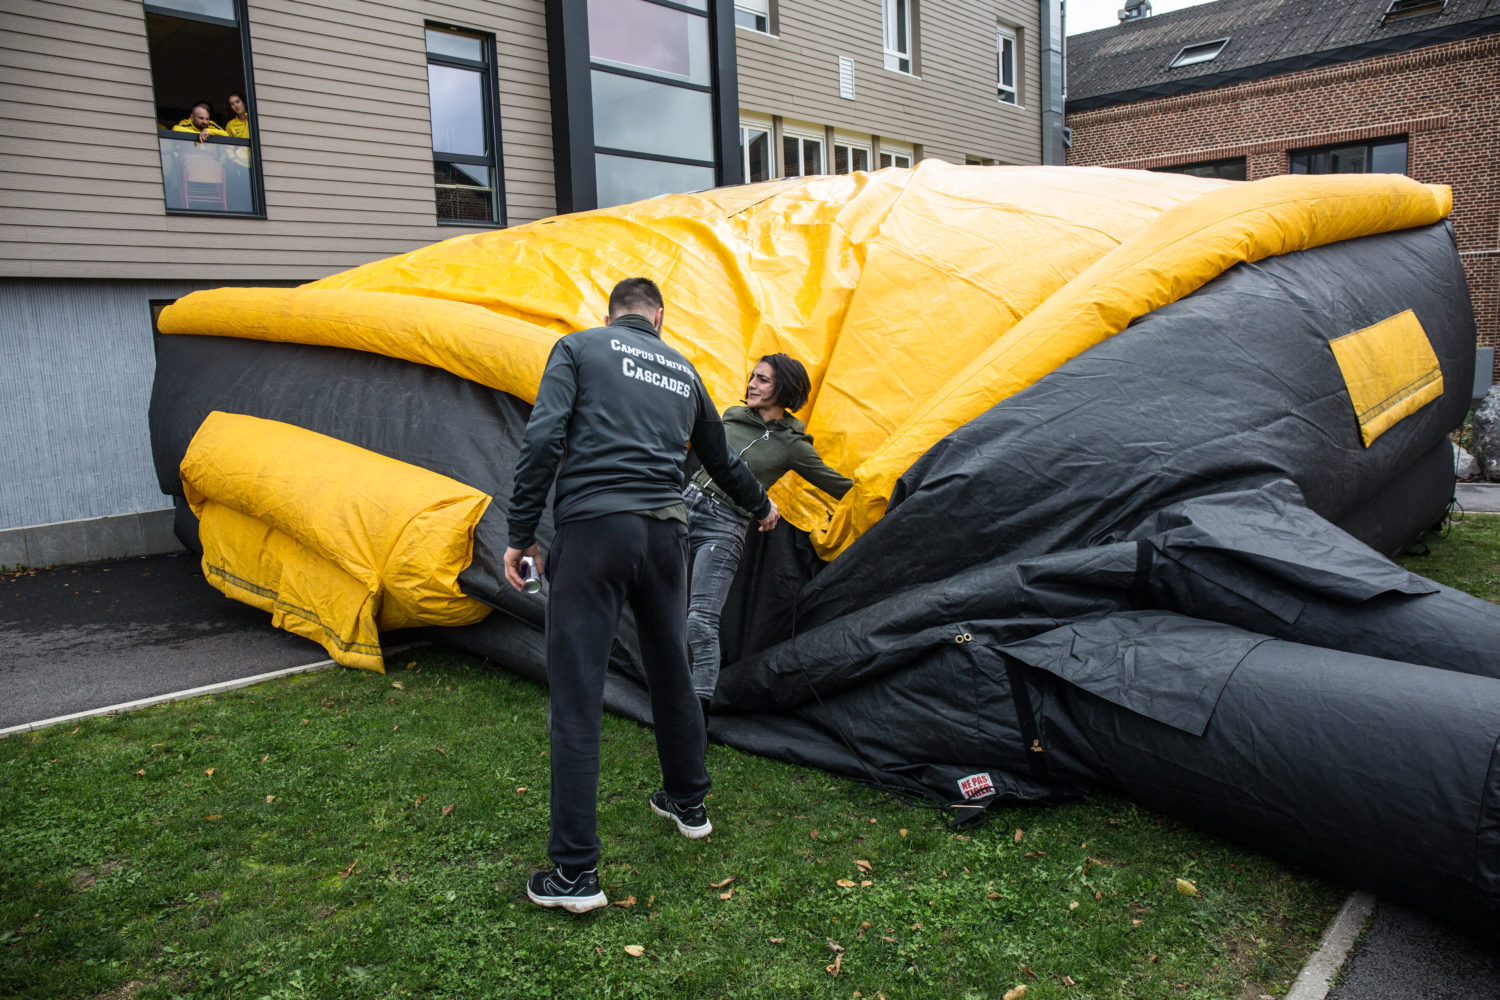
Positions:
(616, 409)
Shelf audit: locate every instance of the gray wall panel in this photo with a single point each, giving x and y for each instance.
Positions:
(76, 382)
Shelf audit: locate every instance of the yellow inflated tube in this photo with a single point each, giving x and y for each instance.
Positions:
(1184, 249)
(336, 542)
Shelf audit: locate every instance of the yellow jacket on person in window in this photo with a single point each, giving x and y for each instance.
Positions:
(186, 125)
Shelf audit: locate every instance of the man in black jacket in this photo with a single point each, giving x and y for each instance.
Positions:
(615, 409)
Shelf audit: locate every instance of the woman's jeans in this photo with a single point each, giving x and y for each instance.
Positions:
(717, 536)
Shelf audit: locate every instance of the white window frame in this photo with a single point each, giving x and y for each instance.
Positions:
(895, 21)
(758, 10)
(1007, 39)
(804, 135)
(896, 154)
(763, 125)
(850, 143)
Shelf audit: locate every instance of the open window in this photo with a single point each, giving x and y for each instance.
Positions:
(205, 106)
(1006, 48)
(900, 48)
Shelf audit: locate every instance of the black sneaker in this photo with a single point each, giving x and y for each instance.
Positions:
(692, 821)
(553, 889)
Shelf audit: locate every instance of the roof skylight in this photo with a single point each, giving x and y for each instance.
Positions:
(1200, 52)
(1411, 8)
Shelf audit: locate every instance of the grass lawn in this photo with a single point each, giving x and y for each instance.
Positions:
(343, 834)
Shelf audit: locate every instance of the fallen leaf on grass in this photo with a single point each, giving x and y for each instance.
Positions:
(726, 894)
(1117, 822)
(398, 685)
(992, 895)
(846, 883)
(1019, 834)
(449, 808)
(1029, 974)
(267, 756)
(720, 885)
(778, 940)
(887, 940)
(75, 731)
(834, 947)
(413, 663)
(420, 800)
(140, 774)
(902, 831)
(395, 727)
(863, 866)
(209, 772)
(350, 870)
(1035, 854)
(1017, 993)
(212, 817)
(1068, 981)
(522, 790)
(1099, 894)
(838, 964)
(1186, 888)
(270, 798)
(1073, 906)
(635, 950)
(625, 903)
(814, 834)
(439, 750)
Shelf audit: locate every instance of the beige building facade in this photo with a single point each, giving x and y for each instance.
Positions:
(371, 128)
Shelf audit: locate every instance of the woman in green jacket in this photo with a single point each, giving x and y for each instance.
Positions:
(771, 441)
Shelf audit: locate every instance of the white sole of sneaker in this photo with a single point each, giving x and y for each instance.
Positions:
(573, 904)
(690, 832)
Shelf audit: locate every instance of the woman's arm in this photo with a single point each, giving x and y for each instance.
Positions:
(808, 464)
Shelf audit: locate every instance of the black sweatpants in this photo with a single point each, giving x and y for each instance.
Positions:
(595, 567)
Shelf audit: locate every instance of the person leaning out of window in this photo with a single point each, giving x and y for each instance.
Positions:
(200, 120)
(239, 122)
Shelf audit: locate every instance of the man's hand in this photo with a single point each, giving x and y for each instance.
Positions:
(769, 521)
(513, 557)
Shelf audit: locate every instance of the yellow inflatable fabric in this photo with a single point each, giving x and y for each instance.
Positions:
(335, 541)
(917, 298)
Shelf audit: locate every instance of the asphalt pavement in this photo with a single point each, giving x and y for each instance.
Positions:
(88, 639)
(85, 638)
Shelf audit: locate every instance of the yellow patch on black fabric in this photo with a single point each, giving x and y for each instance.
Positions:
(1391, 372)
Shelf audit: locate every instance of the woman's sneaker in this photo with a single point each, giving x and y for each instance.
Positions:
(554, 889)
(692, 821)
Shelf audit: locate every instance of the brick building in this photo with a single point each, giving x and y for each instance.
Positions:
(1246, 89)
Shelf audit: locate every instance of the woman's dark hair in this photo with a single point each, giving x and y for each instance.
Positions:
(792, 384)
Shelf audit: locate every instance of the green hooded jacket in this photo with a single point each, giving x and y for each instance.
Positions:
(770, 450)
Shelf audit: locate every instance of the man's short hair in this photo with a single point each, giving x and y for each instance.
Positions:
(208, 109)
(635, 295)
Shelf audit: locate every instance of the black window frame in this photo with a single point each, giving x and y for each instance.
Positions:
(710, 88)
(1368, 145)
(241, 25)
(1196, 168)
(489, 71)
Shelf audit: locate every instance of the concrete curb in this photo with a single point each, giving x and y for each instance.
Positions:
(1316, 977)
(130, 706)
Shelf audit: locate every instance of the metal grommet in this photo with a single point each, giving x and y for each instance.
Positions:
(968, 637)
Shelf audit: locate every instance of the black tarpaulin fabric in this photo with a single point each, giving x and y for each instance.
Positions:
(1133, 574)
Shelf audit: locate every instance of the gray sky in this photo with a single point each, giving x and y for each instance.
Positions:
(1090, 15)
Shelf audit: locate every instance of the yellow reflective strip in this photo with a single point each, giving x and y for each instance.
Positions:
(1390, 370)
